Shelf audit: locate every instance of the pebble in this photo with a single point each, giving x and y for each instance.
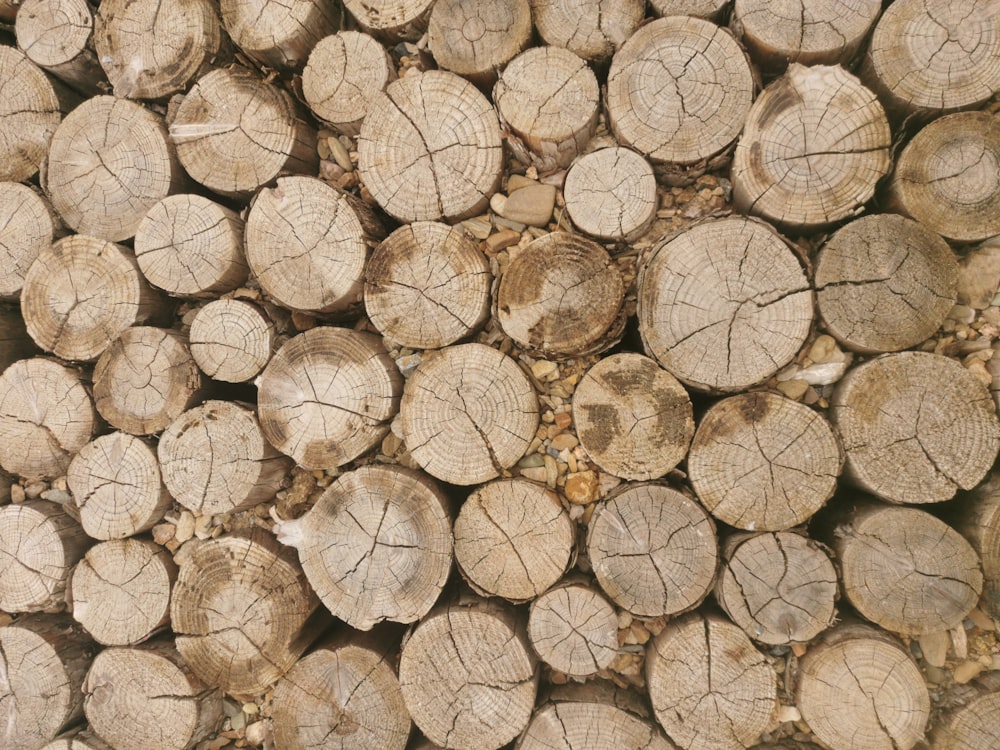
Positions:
(563, 419)
(479, 227)
(543, 368)
(530, 205)
(57, 496)
(823, 374)
(517, 181)
(534, 473)
(34, 489)
(789, 713)
(967, 671)
(582, 487)
(793, 389)
(185, 527)
(935, 647)
(979, 275)
(501, 240)
(17, 493)
(823, 348)
(163, 533)
(564, 441)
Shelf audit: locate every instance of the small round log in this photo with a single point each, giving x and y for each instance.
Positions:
(190, 246)
(145, 380)
(475, 40)
(592, 29)
(562, 296)
(46, 416)
(15, 343)
(513, 539)
(724, 305)
(634, 419)
(392, 19)
(948, 177)
(916, 427)
(28, 224)
(279, 33)
(146, 696)
(57, 35)
(81, 294)
(653, 550)
(78, 739)
(117, 487)
(40, 545)
(235, 132)
(977, 518)
(574, 629)
(972, 724)
(885, 283)
(779, 587)
(468, 676)
(430, 148)
(215, 460)
(344, 72)
(709, 687)
(120, 590)
(859, 689)
(763, 462)
(610, 194)
(679, 90)
(807, 177)
(231, 340)
(710, 10)
(327, 396)
(243, 611)
(307, 244)
(468, 414)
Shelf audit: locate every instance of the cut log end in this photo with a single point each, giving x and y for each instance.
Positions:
(475, 40)
(56, 35)
(611, 194)
(279, 33)
(592, 29)
(972, 725)
(27, 120)
(392, 19)
(28, 224)
(231, 340)
(574, 629)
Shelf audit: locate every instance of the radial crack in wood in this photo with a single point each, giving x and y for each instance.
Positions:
(279, 33)
(611, 194)
(592, 29)
(28, 225)
(392, 19)
(977, 519)
(972, 724)
(232, 340)
(57, 35)
(477, 39)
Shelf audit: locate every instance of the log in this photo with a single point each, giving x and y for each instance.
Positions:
(231, 340)
(81, 293)
(46, 416)
(513, 539)
(806, 178)
(859, 689)
(946, 177)
(709, 687)
(763, 462)
(885, 283)
(468, 676)
(242, 611)
(427, 285)
(117, 487)
(710, 10)
(307, 244)
(393, 20)
(78, 739)
(58, 36)
(44, 660)
(343, 696)
(916, 427)
(724, 305)
(592, 29)
(15, 343)
(977, 518)
(28, 225)
(146, 696)
(145, 380)
(120, 590)
(376, 545)
(235, 133)
(40, 545)
(653, 549)
(478, 39)
(972, 724)
(190, 246)
(611, 194)
(779, 587)
(279, 33)
(343, 73)
(562, 296)
(327, 396)
(430, 148)
(468, 414)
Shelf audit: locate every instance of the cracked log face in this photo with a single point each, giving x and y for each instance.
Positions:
(979, 523)
(653, 550)
(477, 39)
(814, 145)
(592, 29)
(430, 148)
(28, 225)
(973, 725)
(710, 688)
(231, 340)
(56, 35)
(30, 111)
(724, 305)
(574, 630)
(392, 19)
(116, 486)
(885, 283)
(610, 194)
(916, 427)
(120, 590)
(468, 414)
(279, 33)
(763, 462)
(327, 396)
(860, 690)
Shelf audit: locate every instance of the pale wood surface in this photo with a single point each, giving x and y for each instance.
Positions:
(592, 29)
(574, 630)
(57, 35)
(279, 34)
(232, 340)
(477, 39)
(978, 520)
(392, 19)
(28, 225)
(972, 724)
(611, 194)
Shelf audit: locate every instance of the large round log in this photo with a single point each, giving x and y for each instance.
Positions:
(972, 724)
(279, 33)
(57, 35)
(592, 29)
(28, 225)
(610, 194)
(977, 518)
(477, 39)
(232, 340)
(574, 629)
(392, 19)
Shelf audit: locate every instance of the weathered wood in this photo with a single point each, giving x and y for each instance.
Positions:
(805, 178)
(468, 414)
(711, 10)
(376, 545)
(392, 19)
(610, 194)
(327, 396)
(120, 590)
(28, 224)
(653, 550)
(279, 33)
(724, 305)
(763, 462)
(977, 518)
(973, 724)
(231, 340)
(592, 29)
(916, 427)
(475, 40)
(78, 739)
(885, 283)
(15, 343)
(57, 35)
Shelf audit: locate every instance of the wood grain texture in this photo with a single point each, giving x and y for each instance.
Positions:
(58, 35)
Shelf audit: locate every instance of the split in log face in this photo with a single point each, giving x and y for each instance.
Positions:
(653, 550)
(392, 19)
(972, 725)
(611, 194)
(28, 225)
(885, 283)
(327, 396)
(231, 340)
(468, 414)
(279, 33)
(977, 518)
(814, 145)
(477, 39)
(56, 35)
(763, 462)
(724, 305)
(376, 546)
(711, 10)
(592, 29)
(574, 629)
(430, 148)
(916, 427)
